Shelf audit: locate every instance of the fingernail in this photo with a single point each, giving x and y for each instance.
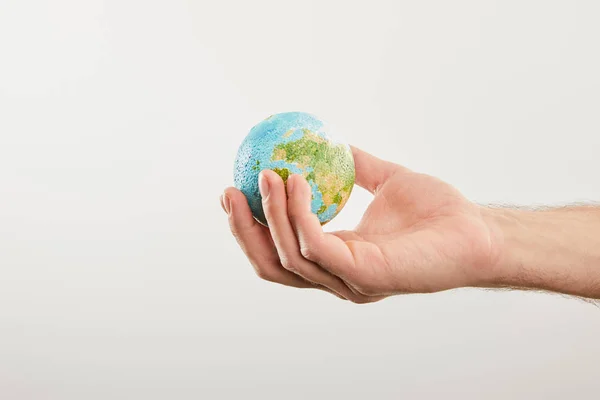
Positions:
(289, 185)
(263, 185)
(225, 203)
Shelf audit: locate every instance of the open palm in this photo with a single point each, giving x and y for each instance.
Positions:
(419, 234)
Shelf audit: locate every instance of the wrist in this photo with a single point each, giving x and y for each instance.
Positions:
(509, 230)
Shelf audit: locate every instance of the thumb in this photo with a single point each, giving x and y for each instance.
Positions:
(371, 172)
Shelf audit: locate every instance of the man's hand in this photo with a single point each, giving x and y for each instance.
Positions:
(419, 234)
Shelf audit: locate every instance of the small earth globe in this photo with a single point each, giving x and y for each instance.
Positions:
(296, 143)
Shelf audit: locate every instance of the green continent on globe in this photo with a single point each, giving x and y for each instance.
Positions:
(284, 173)
(326, 165)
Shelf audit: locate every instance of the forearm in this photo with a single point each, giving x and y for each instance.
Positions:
(555, 249)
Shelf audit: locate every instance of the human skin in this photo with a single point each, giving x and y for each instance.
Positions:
(418, 235)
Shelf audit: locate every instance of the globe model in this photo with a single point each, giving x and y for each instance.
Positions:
(296, 143)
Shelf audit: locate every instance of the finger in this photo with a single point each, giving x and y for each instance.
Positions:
(274, 200)
(255, 241)
(371, 172)
(329, 251)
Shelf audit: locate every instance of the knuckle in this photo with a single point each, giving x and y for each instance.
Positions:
(264, 274)
(288, 264)
(309, 247)
(307, 252)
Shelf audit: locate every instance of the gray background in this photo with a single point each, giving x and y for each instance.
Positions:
(119, 122)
